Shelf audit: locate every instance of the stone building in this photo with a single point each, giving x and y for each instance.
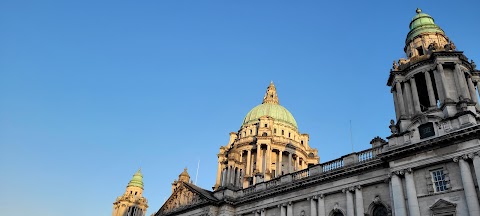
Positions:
(429, 165)
(132, 202)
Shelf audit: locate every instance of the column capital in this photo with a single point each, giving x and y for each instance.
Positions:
(462, 157)
(290, 203)
(348, 189)
(456, 159)
(358, 187)
(262, 210)
(398, 173)
(476, 154)
(321, 196)
(408, 170)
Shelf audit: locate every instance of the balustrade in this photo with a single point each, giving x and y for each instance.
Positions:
(360, 157)
(332, 165)
(300, 174)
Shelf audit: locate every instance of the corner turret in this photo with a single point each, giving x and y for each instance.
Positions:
(434, 89)
(132, 202)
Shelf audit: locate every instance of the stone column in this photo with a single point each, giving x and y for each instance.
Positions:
(476, 165)
(359, 201)
(219, 172)
(468, 186)
(408, 98)
(224, 177)
(401, 103)
(233, 175)
(478, 88)
(280, 155)
(413, 208)
(350, 208)
(239, 178)
(289, 162)
(313, 206)
(258, 163)
(471, 89)
(229, 175)
(321, 205)
(395, 102)
(290, 209)
(444, 80)
(416, 101)
(431, 92)
(249, 159)
(269, 159)
(398, 197)
(282, 210)
(463, 89)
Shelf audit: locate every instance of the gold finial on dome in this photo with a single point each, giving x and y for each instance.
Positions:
(418, 10)
(271, 96)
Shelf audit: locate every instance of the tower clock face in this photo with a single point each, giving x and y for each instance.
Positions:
(426, 130)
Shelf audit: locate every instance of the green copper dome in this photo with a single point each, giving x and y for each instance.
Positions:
(137, 180)
(276, 111)
(422, 23)
(270, 107)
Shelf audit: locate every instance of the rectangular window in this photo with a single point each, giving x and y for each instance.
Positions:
(438, 179)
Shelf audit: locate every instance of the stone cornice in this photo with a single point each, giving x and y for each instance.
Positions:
(434, 143)
(404, 69)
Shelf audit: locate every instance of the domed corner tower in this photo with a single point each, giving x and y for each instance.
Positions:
(132, 202)
(267, 146)
(434, 87)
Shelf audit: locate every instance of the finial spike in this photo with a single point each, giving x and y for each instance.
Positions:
(418, 10)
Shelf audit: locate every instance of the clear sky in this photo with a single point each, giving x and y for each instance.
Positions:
(90, 91)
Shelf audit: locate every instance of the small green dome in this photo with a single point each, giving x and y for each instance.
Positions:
(270, 107)
(276, 111)
(422, 23)
(137, 180)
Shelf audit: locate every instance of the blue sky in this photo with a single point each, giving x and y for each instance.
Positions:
(92, 90)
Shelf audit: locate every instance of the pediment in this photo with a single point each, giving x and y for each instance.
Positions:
(442, 204)
(184, 197)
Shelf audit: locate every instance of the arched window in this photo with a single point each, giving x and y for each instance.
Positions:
(283, 132)
(337, 214)
(380, 210)
(275, 131)
(264, 134)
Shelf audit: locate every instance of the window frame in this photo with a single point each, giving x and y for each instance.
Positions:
(443, 180)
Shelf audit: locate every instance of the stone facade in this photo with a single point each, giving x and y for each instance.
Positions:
(429, 165)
